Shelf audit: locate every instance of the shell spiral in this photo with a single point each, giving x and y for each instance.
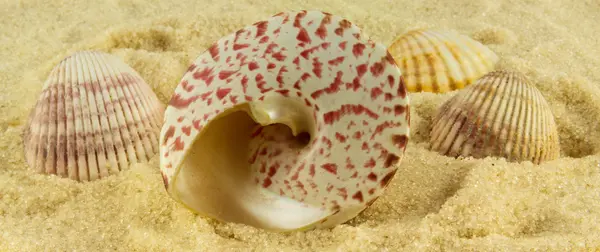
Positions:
(94, 117)
(501, 115)
(294, 122)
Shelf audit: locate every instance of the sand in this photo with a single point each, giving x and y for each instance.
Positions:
(434, 203)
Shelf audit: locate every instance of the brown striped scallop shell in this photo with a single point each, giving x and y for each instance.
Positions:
(440, 61)
(95, 116)
(500, 115)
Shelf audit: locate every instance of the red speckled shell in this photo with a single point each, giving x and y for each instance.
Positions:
(352, 86)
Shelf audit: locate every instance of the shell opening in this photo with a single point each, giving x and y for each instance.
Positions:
(234, 153)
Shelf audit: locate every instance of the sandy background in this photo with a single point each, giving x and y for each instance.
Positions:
(433, 204)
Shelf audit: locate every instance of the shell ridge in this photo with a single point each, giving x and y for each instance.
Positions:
(443, 123)
(468, 120)
(518, 124)
(431, 69)
(148, 109)
(445, 64)
(523, 121)
(472, 127)
(46, 161)
(551, 134)
(119, 125)
(544, 126)
(538, 127)
(494, 91)
(72, 132)
(137, 106)
(97, 114)
(513, 112)
(528, 137)
(402, 44)
(500, 113)
(435, 131)
(508, 113)
(81, 136)
(504, 109)
(44, 134)
(485, 56)
(415, 58)
(110, 105)
(126, 123)
(451, 59)
(473, 53)
(51, 143)
(60, 149)
(473, 120)
(401, 59)
(151, 111)
(135, 129)
(153, 124)
(530, 121)
(140, 116)
(456, 124)
(87, 86)
(468, 59)
(105, 141)
(459, 57)
(412, 77)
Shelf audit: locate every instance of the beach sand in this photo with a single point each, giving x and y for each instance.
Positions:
(434, 203)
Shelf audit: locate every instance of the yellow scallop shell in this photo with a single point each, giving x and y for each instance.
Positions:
(440, 61)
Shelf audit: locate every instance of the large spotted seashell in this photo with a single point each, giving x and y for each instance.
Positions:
(294, 122)
(501, 115)
(94, 117)
(440, 61)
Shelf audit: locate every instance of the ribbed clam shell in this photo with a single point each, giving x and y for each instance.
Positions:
(95, 116)
(440, 60)
(501, 115)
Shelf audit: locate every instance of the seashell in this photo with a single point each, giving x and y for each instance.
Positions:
(501, 115)
(440, 61)
(94, 117)
(295, 122)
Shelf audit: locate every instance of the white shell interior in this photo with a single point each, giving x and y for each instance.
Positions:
(215, 178)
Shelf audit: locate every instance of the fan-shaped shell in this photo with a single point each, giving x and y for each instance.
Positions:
(94, 117)
(294, 122)
(440, 61)
(501, 115)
